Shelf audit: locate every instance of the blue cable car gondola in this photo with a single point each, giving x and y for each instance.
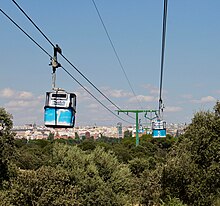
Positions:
(60, 109)
(158, 128)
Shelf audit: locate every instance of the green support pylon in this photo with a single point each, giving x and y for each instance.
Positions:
(137, 126)
(137, 112)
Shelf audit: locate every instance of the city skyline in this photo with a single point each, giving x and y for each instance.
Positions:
(191, 69)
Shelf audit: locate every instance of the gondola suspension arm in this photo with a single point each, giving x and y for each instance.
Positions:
(54, 63)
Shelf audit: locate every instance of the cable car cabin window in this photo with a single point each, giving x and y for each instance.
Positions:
(159, 124)
(59, 100)
(59, 96)
(73, 101)
(47, 98)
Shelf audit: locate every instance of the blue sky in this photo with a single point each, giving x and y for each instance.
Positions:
(191, 70)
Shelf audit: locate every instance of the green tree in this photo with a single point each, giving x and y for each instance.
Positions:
(127, 133)
(6, 145)
(139, 165)
(51, 136)
(123, 153)
(173, 202)
(101, 179)
(76, 136)
(192, 170)
(45, 186)
(33, 154)
(87, 144)
(149, 186)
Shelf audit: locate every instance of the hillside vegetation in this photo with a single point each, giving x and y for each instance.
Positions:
(171, 171)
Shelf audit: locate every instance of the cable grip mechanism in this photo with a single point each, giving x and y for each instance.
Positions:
(55, 64)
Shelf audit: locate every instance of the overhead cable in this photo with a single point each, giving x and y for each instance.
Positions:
(93, 95)
(162, 54)
(62, 66)
(67, 59)
(26, 33)
(115, 52)
(33, 23)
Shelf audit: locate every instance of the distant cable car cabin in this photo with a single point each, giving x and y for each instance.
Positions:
(60, 109)
(158, 128)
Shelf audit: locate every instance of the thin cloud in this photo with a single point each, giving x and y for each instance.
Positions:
(152, 89)
(26, 110)
(17, 105)
(22, 102)
(82, 95)
(7, 93)
(24, 95)
(173, 109)
(116, 93)
(142, 98)
(206, 99)
(92, 106)
(119, 93)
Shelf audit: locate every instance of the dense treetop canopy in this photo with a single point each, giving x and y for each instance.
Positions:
(178, 171)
